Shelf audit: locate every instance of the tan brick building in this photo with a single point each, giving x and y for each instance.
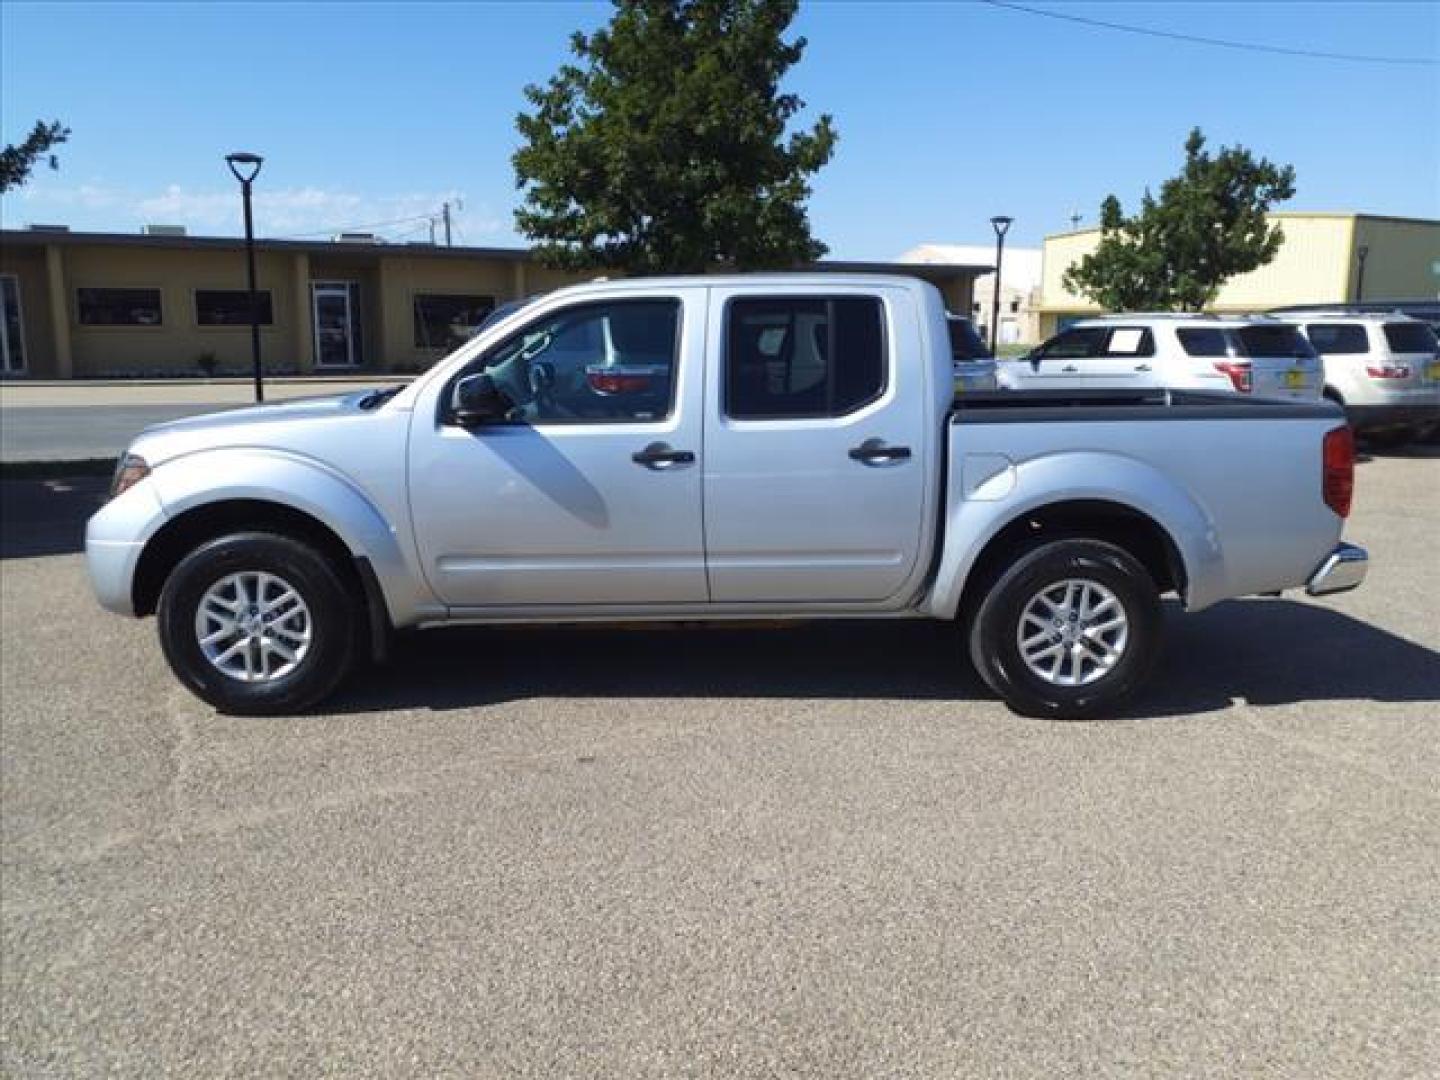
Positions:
(103, 305)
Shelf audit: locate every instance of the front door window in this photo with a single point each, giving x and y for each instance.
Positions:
(337, 323)
(12, 330)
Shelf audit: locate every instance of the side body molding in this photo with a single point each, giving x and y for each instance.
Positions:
(977, 515)
(313, 488)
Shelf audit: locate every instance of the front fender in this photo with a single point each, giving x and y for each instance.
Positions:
(311, 487)
(980, 505)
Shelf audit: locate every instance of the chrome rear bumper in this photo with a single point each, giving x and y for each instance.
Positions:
(1343, 569)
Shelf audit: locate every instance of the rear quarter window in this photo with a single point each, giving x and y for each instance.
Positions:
(1260, 341)
(1335, 339)
(1409, 337)
(1203, 342)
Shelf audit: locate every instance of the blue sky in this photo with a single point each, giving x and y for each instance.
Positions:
(948, 112)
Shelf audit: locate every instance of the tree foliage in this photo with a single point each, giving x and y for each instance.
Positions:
(665, 147)
(17, 161)
(1208, 225)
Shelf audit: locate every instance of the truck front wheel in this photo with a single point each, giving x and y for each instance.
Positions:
(1069, 632)
(258, 623)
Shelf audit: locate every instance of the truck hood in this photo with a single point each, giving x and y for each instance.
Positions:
(279, 426)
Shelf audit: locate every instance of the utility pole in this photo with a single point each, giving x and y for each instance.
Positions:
(445, 210)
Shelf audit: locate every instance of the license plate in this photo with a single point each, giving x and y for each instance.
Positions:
(1294, 380)
(1435, 370)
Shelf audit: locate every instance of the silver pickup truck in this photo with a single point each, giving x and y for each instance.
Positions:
(775, 447)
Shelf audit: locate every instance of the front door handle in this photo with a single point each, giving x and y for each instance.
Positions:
(875, 452)
(1142, 367)
(1069, 367)
(659, 455)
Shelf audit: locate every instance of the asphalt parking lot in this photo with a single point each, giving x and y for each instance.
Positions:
(818, 851)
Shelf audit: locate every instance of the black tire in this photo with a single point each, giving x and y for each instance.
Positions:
(995, 650)
(334, 617)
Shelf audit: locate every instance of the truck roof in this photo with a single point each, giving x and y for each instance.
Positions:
(803, 279)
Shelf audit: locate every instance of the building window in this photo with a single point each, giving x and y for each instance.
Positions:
(12, 328)
(445, 320)
(231, 307)
(118, 307)
(1014, 306)
(798, 357)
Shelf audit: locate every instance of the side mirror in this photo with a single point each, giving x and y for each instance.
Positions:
(477, 400)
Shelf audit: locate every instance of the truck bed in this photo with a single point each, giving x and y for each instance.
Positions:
(1033, 406)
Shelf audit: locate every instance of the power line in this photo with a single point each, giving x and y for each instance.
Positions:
(356, 228)
(1249, 46)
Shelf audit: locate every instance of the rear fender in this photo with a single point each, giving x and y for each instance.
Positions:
(982, 503)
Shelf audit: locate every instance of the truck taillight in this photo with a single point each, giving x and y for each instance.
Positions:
(1388, 371)
(1239, 372)
(1338, 486)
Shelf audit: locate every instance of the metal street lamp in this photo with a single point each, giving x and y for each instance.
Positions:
(1361, 253)
(245, 168)
(1001, 225)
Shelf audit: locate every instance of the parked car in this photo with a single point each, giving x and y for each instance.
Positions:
(1383, 368)
(974, 365)
(776, 447)
(1258, 356)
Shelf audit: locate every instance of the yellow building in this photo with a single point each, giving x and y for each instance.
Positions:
(103, 305)
(1325, 259)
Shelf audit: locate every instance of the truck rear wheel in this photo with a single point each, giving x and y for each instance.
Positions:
(257, 623)
(1069, 632)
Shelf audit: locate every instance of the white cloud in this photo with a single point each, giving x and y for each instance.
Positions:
(285, 212)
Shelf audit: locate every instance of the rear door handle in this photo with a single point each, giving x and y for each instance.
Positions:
(1142, 367)
(1069, 367)
(659, 455)
(875, 452)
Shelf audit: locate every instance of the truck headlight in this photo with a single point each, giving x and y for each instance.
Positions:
(129, 471)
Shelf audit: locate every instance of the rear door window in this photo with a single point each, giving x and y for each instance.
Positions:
(1335, 339)
(803, 357)
(1130, 341)
(1410, 337)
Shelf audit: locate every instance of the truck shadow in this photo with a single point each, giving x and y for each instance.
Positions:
(1264, 652)
(47, 517)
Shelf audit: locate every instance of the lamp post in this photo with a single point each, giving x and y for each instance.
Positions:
(1001, 225)
(1360, 253)
(245, 168)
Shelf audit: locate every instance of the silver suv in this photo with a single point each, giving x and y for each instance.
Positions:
(1241, 354)
(1383, 368)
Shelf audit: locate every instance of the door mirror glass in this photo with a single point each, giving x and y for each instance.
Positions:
(477, 400)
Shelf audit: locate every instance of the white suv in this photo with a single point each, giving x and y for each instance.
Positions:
(1383, 368)
(1247, 355)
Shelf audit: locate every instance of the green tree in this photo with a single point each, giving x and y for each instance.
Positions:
(665, 148)
(1208, 225)
(17, 161)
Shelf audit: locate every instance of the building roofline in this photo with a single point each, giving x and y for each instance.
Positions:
(1342, 215)
(44, 238)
